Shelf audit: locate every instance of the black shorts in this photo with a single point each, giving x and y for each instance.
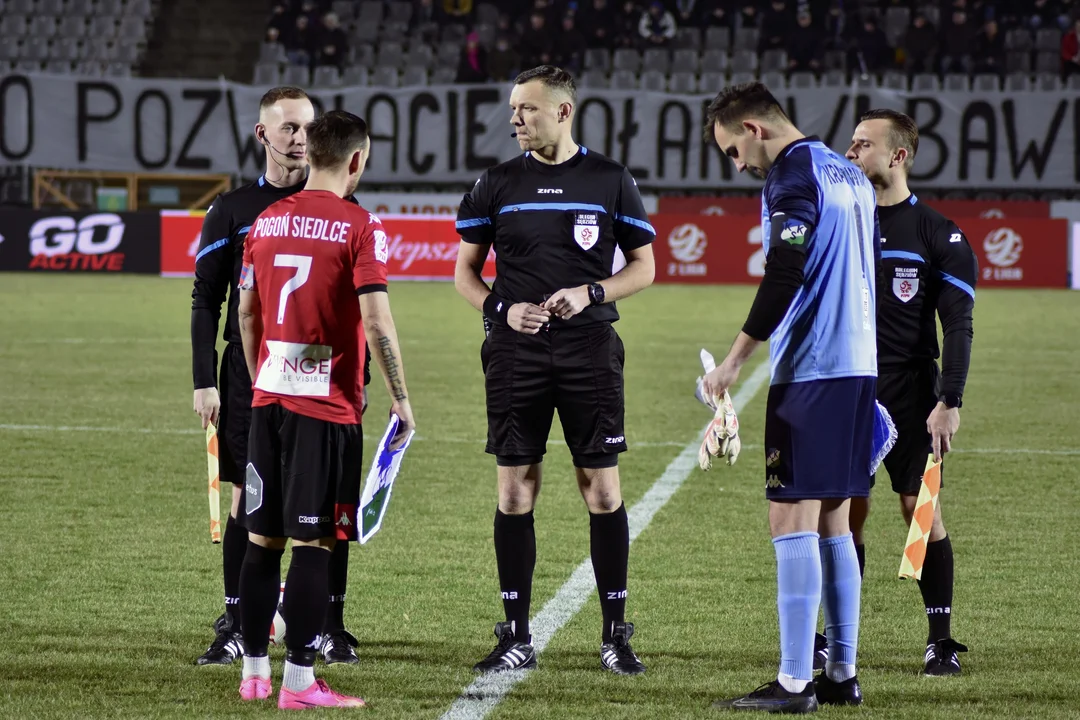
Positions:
(817, 439)
(234, 420)
(577, 371)
(910, 396)
(303, 476)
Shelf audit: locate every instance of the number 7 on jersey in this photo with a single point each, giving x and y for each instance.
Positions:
(302, 263)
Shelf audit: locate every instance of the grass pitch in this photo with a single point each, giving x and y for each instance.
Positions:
(109, 580)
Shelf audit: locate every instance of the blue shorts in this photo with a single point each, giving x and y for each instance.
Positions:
(817, 439)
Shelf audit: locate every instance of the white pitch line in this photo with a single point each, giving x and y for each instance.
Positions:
(487, 691)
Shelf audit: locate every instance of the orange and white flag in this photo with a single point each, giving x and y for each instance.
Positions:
(911, 564)
(214, 482)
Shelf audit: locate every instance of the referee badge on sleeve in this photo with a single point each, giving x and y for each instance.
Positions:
(586, 230)
(905, 284)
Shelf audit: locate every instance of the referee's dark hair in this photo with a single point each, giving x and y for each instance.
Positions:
(554, 78)
(333, 137)
(284, 92)
(903, 132)
(737, 103)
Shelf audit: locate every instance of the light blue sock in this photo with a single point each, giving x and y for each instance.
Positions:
(841, 589)
(798, 580)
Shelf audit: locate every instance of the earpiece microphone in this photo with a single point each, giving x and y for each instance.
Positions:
(513, 135)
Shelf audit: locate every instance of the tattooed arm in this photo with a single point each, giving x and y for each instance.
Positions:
(250, 329)
(383, 341)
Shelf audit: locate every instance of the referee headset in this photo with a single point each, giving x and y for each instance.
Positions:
(261, 135)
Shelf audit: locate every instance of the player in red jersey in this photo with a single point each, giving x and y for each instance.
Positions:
(306, 260)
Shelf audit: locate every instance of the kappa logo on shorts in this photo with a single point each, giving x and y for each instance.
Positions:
(253, 486)
(772, 482)
(586, 229)
(313, 519)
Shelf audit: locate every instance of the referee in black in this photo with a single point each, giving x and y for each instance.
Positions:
(284, 112)
(927, 268)
(557, 217)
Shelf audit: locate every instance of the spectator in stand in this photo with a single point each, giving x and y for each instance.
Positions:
(715, 13)
(990, 49)
(687, 13)
(836, 27)
(281, 19)
(958, 43)
(273, 35)
(1042, 13)
(427, 18)
(598, 21)
(314, 11)
(872, 52)
(803, 45)
(657, 26)
(536, 42)
(568, 46)
(1070, 48)
(300, 43)
(748, 16)
(504, 63)
(333, 43)
(458, 11)
(775, 27)
(472, 67)
(626, 25)
(920, 46)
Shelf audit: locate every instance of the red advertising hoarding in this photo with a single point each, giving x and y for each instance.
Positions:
(180, 231)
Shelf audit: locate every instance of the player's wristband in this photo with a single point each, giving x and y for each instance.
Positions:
(496, 309)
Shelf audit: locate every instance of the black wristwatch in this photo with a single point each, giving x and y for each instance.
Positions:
(596, 294)
(951, 400)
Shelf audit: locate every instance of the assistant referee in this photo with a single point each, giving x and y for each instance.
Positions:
(556, 216)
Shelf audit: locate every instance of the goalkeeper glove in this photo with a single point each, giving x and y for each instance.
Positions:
(722, 435)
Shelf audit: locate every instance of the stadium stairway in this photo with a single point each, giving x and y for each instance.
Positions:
(198, 39)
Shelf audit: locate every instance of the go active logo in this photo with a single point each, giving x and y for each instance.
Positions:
(67, 243)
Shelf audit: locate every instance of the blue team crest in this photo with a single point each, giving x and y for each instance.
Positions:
(586, 230)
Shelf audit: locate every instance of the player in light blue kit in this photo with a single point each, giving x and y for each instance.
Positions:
(816, 307)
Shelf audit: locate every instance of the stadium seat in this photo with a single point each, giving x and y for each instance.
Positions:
(717, 38)
(626, 59)
(454, 33)
(420, 56)
(1019, 196)
(594, 79)
(21, 7)
(58, 67)
(487, 14)
(774, 60)
(1048, 62)
(371, 12)
(1019, 82)
(142, 8)
(653, 81)
(81, 8)
(711, 82)
(72, 26)
(9, 48)
(894, 80)
(656, 59)
(895, 25)
(624, 80)
(110, 7)
(685, 61)
(746, 38)
(42, 26)
(35, 49)
(686, 83)
(834, 78)
(1047, 82)
(385, 76)
(444, 76)
(326, 76)
(27, 66)
(355, 75)
(1074, 82)
(988, 196)
(1018, 61)
(925, 82)
(1048, 39)
(774, 80)
(835, 60)
(597, 59)
(13, 26)
(90, 68)
(803, 80)
(272, 52)
(399, 12)
(50, 7)
(448, 54)
(117, 70)
(932, 14)
(299, 75)
(687, 38)
(102, 26)
(390, 54)
(956, 82)
(394, 32)
(99, 49)
(414, 75)
(1018, 39)
(744, 61)
(738, 78)
(986, 82)
(345, 10)
(860, 80)
(486, 35)
(714, 61)
(132, 28)
(365, 32)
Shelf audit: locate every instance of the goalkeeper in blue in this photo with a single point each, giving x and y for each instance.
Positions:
(815, 306)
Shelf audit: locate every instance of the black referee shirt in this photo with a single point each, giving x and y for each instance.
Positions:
(555, 226)
(927, 267)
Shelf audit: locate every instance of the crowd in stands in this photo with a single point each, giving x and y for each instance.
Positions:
(496, 40)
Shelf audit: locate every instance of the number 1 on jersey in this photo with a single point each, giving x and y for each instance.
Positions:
(302, 263)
